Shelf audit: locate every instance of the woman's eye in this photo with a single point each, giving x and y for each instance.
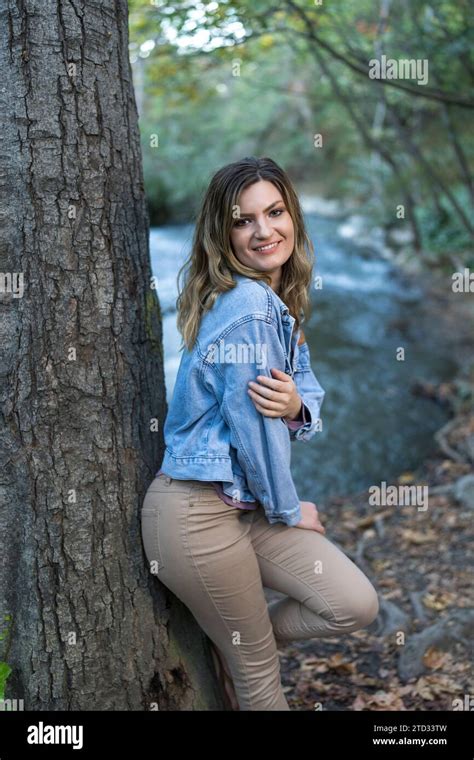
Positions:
(242, 221)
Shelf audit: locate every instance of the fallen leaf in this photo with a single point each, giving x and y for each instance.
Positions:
(381, 700)
(406, 477)
(337, 662)
(439, 601)
(435, 658)
(364, 522)
(416, 537)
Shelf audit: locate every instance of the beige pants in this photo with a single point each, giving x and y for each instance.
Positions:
(216, 558)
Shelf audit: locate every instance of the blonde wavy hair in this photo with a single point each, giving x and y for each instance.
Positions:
(208, 270)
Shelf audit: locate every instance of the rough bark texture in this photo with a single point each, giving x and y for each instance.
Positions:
(81, 378)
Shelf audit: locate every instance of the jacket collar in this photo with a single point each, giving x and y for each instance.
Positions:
(282, 306)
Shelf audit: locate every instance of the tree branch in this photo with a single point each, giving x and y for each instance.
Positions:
(422, 93)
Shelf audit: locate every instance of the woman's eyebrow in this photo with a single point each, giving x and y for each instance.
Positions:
(265, 209)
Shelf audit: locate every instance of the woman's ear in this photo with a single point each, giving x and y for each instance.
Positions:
(302, 338)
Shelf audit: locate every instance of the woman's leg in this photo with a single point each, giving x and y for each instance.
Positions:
(327, 594)
(203, 553)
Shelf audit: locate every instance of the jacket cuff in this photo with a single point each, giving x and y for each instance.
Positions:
(303, 418)
(291, 519)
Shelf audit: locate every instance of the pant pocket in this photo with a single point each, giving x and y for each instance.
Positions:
(150, 523)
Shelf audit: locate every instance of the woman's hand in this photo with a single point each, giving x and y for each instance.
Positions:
(309, 517)
(275, 396)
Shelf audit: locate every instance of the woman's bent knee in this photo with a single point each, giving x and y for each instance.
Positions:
(355, 611)
(364, 607)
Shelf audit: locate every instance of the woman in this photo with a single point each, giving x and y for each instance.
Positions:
(222, 517)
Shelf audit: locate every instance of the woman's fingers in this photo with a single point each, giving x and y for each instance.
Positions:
(271, 393)
(272, 382)
(265, 402)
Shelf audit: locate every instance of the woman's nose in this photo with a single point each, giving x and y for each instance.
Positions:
(263, 229)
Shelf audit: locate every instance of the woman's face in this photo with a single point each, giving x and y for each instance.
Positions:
(263, 236)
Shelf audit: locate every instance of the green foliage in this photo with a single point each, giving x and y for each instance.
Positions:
(5, 670)
(228, 79)
(440, 233)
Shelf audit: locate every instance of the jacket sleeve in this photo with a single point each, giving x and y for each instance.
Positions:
(311, 392)
(262, 443)
(301, 419)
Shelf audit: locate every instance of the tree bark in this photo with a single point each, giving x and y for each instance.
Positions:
(81, 378)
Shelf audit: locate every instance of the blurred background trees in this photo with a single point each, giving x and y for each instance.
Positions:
(219, 80)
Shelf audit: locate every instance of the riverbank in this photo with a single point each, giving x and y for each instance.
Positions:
(417, 654)
(451, 310)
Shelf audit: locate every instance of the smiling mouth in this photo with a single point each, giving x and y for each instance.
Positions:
(267, 248)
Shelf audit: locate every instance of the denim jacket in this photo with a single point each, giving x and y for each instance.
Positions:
(213, 431)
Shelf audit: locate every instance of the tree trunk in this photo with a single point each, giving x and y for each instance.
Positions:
(82, 379)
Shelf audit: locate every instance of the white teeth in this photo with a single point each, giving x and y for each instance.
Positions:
(266, 247)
